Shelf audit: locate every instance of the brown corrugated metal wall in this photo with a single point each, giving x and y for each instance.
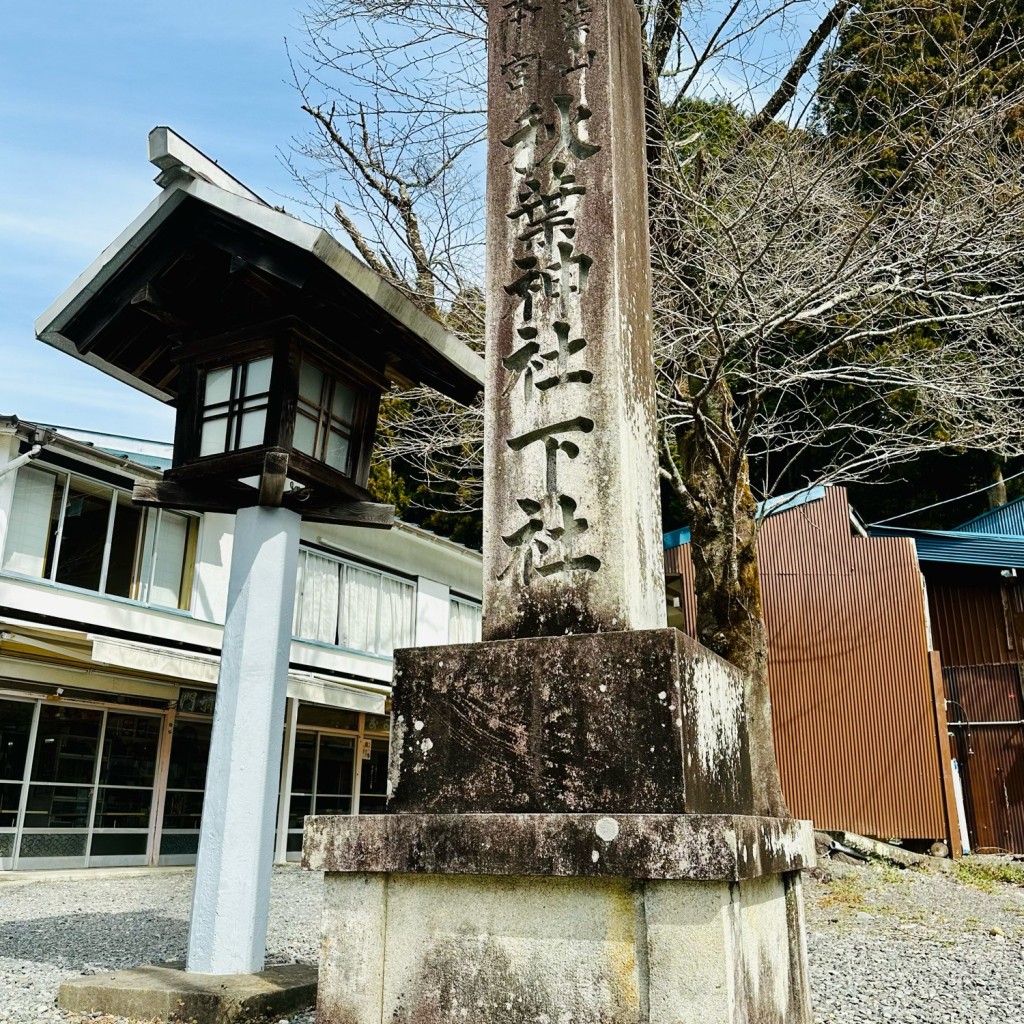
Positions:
(975, 615)
(986, 710)
(852, 698)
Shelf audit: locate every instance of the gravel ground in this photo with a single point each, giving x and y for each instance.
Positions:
(890, 945)
(64, 927)
(884, 945)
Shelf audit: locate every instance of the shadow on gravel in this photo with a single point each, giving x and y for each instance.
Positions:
(103, 941)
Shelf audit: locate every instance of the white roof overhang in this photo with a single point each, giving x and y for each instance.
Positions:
(305, 238)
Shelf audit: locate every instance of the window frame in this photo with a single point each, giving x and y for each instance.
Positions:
(234, 409)
(468, 603)
(142, 586)
(325, 422)
(307, 549)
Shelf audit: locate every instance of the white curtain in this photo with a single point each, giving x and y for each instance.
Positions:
(29, 527)
(397, 612)
(359, 614)
(316, 611)
(464, 622)
(171, 541)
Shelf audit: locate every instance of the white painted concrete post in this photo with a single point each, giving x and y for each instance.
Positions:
(433, 607)
(231, 899)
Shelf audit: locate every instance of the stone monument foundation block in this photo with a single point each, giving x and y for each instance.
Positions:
(620, 721)
(571, 919)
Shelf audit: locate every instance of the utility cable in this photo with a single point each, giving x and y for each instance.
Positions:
(948, 501)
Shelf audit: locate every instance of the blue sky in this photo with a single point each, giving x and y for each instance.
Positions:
(81, 84)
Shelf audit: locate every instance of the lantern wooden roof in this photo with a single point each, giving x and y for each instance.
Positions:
(208, 256)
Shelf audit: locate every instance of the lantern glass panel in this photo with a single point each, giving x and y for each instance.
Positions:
(235, 400)
(218, 386)
(257, 377)
(324, 418)
(252, 427)
(304, 439)
(336, 455)
(307, 419)
(212, 441)
(343, 407)
(311, 384)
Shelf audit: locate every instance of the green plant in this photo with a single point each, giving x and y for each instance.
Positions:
(888, 874)
(843, 892)
(985, 876)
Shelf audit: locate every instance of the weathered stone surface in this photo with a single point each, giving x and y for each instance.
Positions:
(508, 950)
(638, 721)
(352, 959)
(169, 993)
(720, 847)
(572, 539)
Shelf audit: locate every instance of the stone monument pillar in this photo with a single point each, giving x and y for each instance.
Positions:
(571, 833)
(572, 539)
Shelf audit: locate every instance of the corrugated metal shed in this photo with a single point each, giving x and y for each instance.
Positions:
(854, 703)
(976, 601)
(961, 547)
(975, 615)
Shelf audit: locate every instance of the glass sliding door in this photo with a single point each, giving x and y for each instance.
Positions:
(323, 779)
(88, 796)
(186, 781)
(124, 799)
(373, 777)
(16, 719)
(340, 767)
(303, 786)
(335, 771)
(55, 832)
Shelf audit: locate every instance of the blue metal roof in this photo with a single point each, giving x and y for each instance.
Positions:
(768, 507)
(1006, 520)
(152, 461)
(962, 547)
(786, 502)
(676, 538)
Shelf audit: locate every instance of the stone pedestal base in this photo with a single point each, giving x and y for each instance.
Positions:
(567, 919)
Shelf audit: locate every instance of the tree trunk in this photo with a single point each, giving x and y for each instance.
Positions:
(997, 493)
(723, 543)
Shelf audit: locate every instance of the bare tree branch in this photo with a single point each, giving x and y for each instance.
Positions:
(373, 261)
(801, 65)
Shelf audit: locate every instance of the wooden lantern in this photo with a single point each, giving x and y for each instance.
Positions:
(274, 415)
(272, 341)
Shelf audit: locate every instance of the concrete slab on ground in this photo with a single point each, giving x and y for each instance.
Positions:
(168, 992)
(69, 874)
